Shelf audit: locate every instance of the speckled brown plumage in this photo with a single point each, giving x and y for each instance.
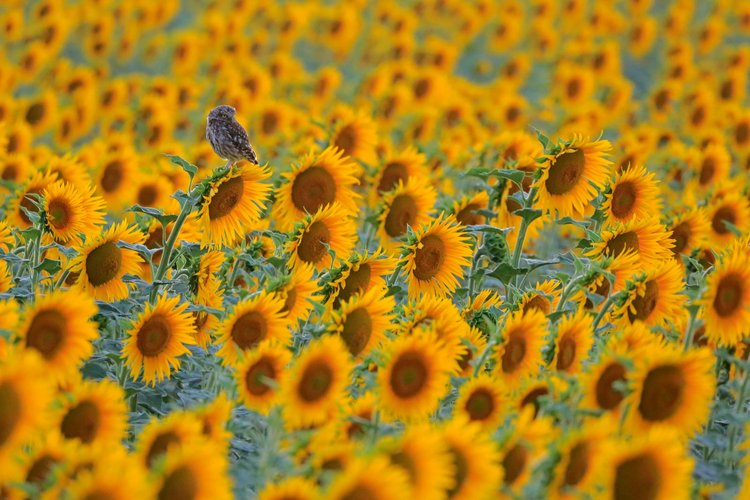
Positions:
(227, 137)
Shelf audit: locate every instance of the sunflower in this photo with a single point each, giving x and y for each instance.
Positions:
(21, 200)
(155, 191)
(356, 417)
(714, 164)
(58, 326)
(70, 169)
(115, 476)
(673, 388)
(726, 302)
(733, 209)
(15, 168)
(259, 373)
(654, 465)
(374, 478)
(423, 455)
(580, 454)
(116, 175)
(319, 180)
(573, 341)
(251, 321)
(25, 393)
(520, 353)
(634, 194)
(523, 449)
(476, 460)
(689, 231)
(573, 173)
(316, 382)
(6, 277)
(198, 470)
(356, 135)
(414, 378)
(647, 237)
(43, 458)
(71, 213)
(162, 435)
(604, 382)
(292, 488)
(654, 297)
(466, 209)
(8, 317)
(433, 257)
(101, 264)
(542, 298)
(94, 413)
(358, 274)
(157, 338)
(475, 343)
(233, 202)
(362, 321)
(399, 167)
(481, 400)
(407, 205)
(330, 229)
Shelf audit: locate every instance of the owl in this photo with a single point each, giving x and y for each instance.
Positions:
(227, 137)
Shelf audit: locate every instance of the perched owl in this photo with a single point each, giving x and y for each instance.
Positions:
(227, 137)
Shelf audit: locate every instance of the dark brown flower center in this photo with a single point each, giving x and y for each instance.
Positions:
(515, 352)
(565, 172)
(722, 215)
(392, 174)
(312, 247)
(538, 303)
(46, 333)
(662, 394)
(103, 263)
(637, 477)
(346, 139)
(358, 281)
(256, 376)
(147, 195)
(315, 382)
(28, 204)
(401, 213)
(112, 176)
(153, 337)
(160, 445)
(742, 133)
(41, 468)
(180, 484)
(532, 398)
(228, 195)
(59, 214)
(622, 243)
(623, 199)
(644, 304)
(290, 300)
(429, 259)
(409, 375)
(35, 113)
(567, 354)
(82, 422)
(404, 461)
(681, 234)
(607, 396)
(578, 463)
(480, 404)
(10, 410)
(514, 463)
(728, 295)
(460, 468)
(707, 171)
(249, 329)
(357, 330)
(313, 189)
(468, 215)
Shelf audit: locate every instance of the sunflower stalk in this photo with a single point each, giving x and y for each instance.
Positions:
(187, 208)
(525, 221)
(739, 409)
(605, 308)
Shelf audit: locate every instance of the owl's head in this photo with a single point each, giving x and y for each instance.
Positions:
(223, 112)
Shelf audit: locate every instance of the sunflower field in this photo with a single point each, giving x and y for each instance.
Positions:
(490, 249)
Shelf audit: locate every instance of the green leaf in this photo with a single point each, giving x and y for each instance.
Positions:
(529, 214)
(155, 213)
(50, 266)
(186, 166)
(515, 176)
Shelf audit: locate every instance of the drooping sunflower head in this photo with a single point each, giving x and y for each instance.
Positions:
(250, 322)
(233, 202)
(59, 327)
(330, 229)
(157, 338)
(574, 172)
(320, 179)
(434, 256)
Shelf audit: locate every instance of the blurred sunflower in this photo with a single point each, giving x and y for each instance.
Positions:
(476, 460)
(423, 455)
(59, 326)
(197, 470)
(161, 436)
(689, 231)
(731, 209)
(466, 209)
(116, 175)
(634, 194)
(320, 179)
(21, 201)
(362, 321)
(407, 205)
(156, 339)
(581, 452)
(433, 257)
(372, 478)
(297, 291)
(414, 377)
(481, 400)
(233, 202)
(116, 476)
(520, 352)
(250, 322)
(329, 228)
(94, 413)
(543, 297)
(291, 488)
(605, 383)
(316, 382)
(574, 171)
(573, 341)
(649, 239)
(399, 167)
(726, 301)
(101, 263)
(358, 274)
(655, 297)
(259, 373)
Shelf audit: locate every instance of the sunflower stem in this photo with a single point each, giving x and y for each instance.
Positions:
(566, 293)
(518, 250)
(168, 247)
(605, 307)
(35, 251)
(63, 276)
(739, 408)
(689, 333)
